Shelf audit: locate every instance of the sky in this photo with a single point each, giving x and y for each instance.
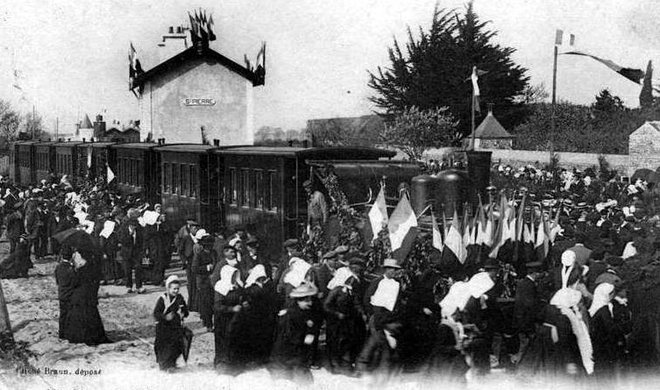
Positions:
(71, 56)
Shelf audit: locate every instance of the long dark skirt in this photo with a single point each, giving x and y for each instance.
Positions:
(225, 348)
(204, 299)
(344, 340)
(168, 345)
(192, 290)
(84, 325)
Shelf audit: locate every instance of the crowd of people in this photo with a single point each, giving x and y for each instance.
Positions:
(581, 311)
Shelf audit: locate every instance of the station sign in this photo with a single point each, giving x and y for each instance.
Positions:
(198, 102)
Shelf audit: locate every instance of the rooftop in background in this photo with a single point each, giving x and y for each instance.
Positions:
(490, 128)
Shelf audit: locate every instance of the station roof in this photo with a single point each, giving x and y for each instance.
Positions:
(312, 153)
(190, 54)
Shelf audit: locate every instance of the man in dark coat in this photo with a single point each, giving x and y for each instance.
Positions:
(582, 253)
(527, 307)
(131, 248)
(15, 226)
(65, 278)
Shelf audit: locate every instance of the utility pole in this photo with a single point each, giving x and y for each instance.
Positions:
(554, 100)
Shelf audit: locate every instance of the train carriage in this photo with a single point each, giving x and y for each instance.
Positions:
(188, 180)
(94, 158)
(44, 155)
(137, 170)
(66, 161)
(262, 187)
(25, 162)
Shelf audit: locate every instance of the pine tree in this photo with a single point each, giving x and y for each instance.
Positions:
(433, 70)
(646, 96)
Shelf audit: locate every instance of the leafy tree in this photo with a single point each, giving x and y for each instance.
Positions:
(433, 69)
(33, 126)
(414, 131)
(646, 95)
(10, 121)
(533, 94)
(607, 103)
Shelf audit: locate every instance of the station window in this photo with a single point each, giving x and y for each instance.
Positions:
(233, 186)
(258, 188)
(140, 172)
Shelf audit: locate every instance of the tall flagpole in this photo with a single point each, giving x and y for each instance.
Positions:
(473, 135)
(554, 101)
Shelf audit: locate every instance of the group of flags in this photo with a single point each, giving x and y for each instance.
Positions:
(491, 227)
(201, 27)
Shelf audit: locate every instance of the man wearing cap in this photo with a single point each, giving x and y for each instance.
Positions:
(186, 252)
(131, 247)
(381, 303)
(527, 307)
(15, 227)
(254, 256)
(296, 333)
(324, 272)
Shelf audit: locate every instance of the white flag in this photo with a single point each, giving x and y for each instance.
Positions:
(378, 213)
(437, 236)
(110, 175)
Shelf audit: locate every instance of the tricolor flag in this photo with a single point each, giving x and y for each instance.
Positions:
(454, 245)
(541, 245)
(378, 213)
(110, 176)
(403, 218)
(437, 236)
(632, 74)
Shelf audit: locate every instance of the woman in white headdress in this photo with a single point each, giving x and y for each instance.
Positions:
(607, 334)
(563, 344)
(256, 321)
(227, 303)
(169, 313)
(345, 328)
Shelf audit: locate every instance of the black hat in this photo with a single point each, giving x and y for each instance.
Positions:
(252, 241)
(534, 266)
(208, 240)
(291, 242)
(227, 246)
(491, 264)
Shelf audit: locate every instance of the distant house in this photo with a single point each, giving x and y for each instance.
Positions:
(490, 135)
(644, 147)
(361, 130)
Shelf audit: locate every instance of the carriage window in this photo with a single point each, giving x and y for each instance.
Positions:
(269, 191)
(185, 180)
(245, 187)
(193, 181)
(258, 188)
(176, 179)
(233, 196)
